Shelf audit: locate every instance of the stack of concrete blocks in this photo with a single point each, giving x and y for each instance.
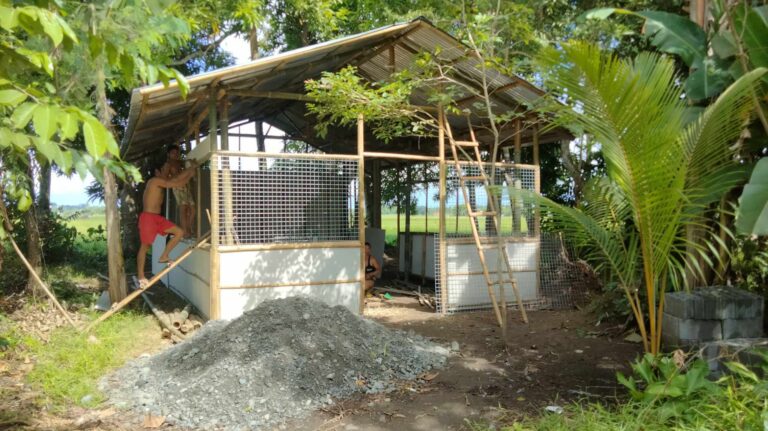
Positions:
(722, 322)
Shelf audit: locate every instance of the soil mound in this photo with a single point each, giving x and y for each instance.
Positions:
(280, 360)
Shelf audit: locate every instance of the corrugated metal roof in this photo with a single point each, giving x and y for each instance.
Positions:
(159, 116)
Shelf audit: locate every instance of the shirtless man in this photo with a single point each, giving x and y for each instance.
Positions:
(151, 223)
(173, 167)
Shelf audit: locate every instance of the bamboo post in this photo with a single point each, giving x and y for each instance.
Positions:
(214, 294)
(536, 144)
(40, 282)
(518, 141)
(226, 176)
(151, 282)
(361, 203)
(441, 216)
(426, 231)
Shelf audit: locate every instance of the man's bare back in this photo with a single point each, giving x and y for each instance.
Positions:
(153, 196)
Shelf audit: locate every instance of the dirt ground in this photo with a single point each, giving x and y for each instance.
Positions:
(559, 356)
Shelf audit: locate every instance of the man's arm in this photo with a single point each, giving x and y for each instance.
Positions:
(181, 179)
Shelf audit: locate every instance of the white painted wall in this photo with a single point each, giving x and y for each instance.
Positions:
(416, 254)
(248, 278)
(236, 301)
(191, 277)
(467, 291)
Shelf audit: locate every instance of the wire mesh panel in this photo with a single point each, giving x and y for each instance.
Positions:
(516, 217)
(285, 198)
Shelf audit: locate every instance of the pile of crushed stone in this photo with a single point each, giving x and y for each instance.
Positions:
(279, 361)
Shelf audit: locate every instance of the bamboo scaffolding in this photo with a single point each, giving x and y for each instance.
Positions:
(151, 282)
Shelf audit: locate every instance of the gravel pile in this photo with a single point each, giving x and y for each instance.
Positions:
(281, 360)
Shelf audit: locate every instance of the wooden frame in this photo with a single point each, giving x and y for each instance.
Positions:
(294, 284)
(361, 203)
(288, 246)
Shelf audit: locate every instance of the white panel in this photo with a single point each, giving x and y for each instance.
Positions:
(191, 277)
(236, 301)
(262, 267)
(471, 291)
(417, 254)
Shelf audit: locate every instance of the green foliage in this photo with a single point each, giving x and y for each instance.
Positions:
(752, 213)
(668, 397)
(663, 169)
(32, 114)
(749, 264)
(69, 366)
(340, 97)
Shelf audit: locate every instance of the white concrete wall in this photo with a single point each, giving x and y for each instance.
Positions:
(327, 274)
(416, 254)
(191, 277)
(236, 301)
(466, 285)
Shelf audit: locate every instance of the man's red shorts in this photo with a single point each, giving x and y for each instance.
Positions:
(151, 225)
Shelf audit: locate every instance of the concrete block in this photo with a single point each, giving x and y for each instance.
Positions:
(716, 302)
(743, 350)
(742, 328)
(678, 332)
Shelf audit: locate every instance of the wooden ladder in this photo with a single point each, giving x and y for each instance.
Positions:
(457, 148)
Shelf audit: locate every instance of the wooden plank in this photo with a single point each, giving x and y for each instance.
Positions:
(289, 155)
(287, 246)
(361, 203)
(151, 282)
(536, 145)
(401, 156)
(518, 141)
(292, 284)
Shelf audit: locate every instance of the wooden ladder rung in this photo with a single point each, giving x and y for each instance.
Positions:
(467, 143)
(507, 281)
(482, 213)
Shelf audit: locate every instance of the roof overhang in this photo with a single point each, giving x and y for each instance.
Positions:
(159, 116)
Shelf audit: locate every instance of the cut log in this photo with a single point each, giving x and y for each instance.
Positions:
(196, 321)
(162, 316)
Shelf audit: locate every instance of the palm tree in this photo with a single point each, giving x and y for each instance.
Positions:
(666, 164)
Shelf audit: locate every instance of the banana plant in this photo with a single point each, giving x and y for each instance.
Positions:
(664, 169)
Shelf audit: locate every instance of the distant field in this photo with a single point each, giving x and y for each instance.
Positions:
(389, 224)
(85, 221)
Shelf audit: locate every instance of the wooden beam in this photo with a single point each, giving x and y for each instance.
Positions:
(443, 276)
(518, 141)
(272, 95)
(361, 203)
(401, 156)
(536, 144)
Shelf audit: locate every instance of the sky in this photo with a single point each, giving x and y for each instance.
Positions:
(71, 190)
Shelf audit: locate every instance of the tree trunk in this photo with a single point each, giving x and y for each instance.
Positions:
(117, 283)
(44, 198)
(34, 246)
(129, 219)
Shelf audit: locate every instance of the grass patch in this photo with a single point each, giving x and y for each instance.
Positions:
(68, 368)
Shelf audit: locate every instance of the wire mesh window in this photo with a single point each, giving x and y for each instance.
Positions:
(516, 217)
(285, 199)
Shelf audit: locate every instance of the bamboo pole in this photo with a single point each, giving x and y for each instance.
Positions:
(426, 231)
(151, 282)
(402, 156)
(40, 282)
(361, 203)
(442, 245)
